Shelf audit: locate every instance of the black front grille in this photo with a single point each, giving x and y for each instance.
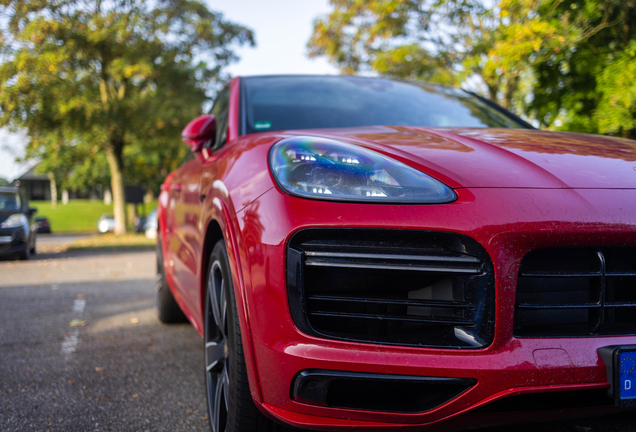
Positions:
(577, 291)
(392, 287)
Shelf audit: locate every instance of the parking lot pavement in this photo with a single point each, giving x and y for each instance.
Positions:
(81, 349)
(47, 244)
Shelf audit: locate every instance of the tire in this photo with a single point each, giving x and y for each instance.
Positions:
(33, 251)
(230, 404)
(168, 309)
(26, 253)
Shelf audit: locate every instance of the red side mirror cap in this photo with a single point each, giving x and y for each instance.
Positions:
(199, 131)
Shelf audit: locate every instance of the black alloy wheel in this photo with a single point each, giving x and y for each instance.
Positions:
(230, 404)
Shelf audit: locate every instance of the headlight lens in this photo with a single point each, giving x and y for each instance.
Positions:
(324, 169)
(15, 221)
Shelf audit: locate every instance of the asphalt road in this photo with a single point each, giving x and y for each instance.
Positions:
(55, 243)
(81, 349)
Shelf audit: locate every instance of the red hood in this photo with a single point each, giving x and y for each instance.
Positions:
(514, 158)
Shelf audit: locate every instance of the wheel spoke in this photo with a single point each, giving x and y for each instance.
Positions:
(220, 392)
(226, 385)
(217, 296)
(215, 353)
(222, 308)
(216, 349)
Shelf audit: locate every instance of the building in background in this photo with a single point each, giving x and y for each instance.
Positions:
(39, 187)
(36, 187)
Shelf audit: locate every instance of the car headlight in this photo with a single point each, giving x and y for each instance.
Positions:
(324, 169)
(15, 221)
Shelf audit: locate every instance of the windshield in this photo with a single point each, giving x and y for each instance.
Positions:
(310, 102)
(9, 201)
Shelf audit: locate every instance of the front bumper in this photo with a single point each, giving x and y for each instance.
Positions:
(12, 241)
(508, 223)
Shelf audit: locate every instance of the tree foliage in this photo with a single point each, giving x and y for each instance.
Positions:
(501, 42)
(591, 87)
(110, 81)
(390, 37)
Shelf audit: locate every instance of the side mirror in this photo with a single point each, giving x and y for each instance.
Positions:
(199, 131)
(32, 210)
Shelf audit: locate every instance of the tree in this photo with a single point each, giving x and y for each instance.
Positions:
(591, 86)
(389, 37)
(444, 41)
(103, 77)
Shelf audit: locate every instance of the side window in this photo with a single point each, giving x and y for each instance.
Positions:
(221, 111)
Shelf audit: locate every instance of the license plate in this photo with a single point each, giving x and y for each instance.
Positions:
(621, 373)
(627, 374)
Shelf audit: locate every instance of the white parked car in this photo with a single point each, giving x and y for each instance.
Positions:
(106, 223)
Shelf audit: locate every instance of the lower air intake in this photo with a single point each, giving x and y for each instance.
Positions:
(391, 287)
(376, 392)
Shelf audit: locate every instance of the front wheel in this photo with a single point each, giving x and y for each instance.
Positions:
(26, 253)
(230, 404)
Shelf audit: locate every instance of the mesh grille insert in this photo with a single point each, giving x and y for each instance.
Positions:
(391, 286)
(577, 291)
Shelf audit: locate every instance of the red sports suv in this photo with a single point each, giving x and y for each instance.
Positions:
(377, 254)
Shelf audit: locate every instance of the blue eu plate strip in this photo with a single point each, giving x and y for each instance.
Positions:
(627, 374)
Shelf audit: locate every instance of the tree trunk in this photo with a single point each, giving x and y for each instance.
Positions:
(53, 190)
(114, 157)
(511, 88)
(492, 92)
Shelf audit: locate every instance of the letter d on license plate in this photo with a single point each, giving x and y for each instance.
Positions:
(621, 373)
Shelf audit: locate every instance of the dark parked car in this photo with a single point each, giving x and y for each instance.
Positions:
(17, 230)
(42, 225)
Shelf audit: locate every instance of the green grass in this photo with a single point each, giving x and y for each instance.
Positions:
(113, 242)
(78, 216)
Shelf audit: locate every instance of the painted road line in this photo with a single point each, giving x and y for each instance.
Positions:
(70, 341)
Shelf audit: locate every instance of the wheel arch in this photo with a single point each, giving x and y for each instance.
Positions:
(214, 232)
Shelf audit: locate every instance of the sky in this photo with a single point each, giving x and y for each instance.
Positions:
(282, 29)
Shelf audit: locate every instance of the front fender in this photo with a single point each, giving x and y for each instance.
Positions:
(218, 215)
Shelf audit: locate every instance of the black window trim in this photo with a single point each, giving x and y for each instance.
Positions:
(216, 146)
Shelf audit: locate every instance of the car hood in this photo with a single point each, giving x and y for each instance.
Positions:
(514, 158)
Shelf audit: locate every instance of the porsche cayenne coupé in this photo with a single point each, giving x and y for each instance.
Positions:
(376, 254)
